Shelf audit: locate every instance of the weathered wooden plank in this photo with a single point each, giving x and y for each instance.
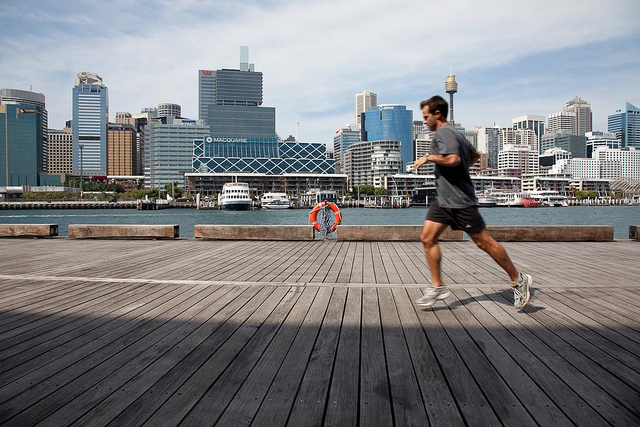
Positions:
(276, 406)
(374, 398)
(490, 314)
(408, 407)
(200, 312)
(150, 388)
(62, 383)
(245, 396)
(530, 397)
(310, 402)
(195, 401)
(473, 406)
(539, 339)
(342, 405)
(439, 403)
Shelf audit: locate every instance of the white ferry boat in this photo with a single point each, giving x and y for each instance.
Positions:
(235, 196)
(275, 201)
(548, 198)
(506, 199)
(486, 200)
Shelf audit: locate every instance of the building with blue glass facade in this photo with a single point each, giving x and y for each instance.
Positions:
(625, 124)
(342, 139)
(390, 122)
(20, 144)
(90, 119)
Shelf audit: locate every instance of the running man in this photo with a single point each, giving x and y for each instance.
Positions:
(456, 205)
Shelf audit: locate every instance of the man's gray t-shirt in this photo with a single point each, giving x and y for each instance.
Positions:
(453, 183)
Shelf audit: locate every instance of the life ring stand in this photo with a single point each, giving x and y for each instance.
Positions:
(313, 215)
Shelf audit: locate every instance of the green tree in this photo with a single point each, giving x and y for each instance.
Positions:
(173, 190)
(381, 191)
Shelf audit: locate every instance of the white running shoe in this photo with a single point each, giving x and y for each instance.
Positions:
(433, 294)
(522, 290)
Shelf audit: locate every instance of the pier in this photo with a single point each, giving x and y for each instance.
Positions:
(300, 333)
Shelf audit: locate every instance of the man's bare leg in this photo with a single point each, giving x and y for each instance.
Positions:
(431, 231)
(488, 244)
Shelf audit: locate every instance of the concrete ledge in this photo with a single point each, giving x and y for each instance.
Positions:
(28, 230)
(109, 231)
(552, 233)
(254, 232)
(389, 233)
(634, 232)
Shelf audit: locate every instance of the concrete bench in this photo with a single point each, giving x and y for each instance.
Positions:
(389, 233)
(552, 233)
(634, 232)
(136, 231)
(254, 232)
(28, 230)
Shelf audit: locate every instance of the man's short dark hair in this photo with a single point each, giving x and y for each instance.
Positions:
(436, 103)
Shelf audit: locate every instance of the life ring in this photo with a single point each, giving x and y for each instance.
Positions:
(313, 215)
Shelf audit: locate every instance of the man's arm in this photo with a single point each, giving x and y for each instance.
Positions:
(439, 159)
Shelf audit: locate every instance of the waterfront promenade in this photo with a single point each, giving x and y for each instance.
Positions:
(192, 332)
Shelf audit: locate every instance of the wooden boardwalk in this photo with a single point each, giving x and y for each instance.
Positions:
(198, 333)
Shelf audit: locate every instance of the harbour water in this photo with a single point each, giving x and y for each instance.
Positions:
(620, 217)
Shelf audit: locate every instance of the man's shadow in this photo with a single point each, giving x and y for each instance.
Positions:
(503, 297)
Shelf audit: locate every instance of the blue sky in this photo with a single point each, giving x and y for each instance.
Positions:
(510, 59)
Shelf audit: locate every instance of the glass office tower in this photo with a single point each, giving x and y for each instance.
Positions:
(390, 122)
(20, 144)
(625, 123)
(90, 120)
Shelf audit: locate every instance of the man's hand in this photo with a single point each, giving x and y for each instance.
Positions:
(421, 161)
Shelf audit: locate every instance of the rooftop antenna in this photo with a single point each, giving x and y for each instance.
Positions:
(297, 128)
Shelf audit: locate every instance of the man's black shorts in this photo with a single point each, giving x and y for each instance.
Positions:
(465, 219)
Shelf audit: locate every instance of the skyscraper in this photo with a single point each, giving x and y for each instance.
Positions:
(90, 119)
(564, 120)
(582, 111)
(390, 122)
(28, 98)
(530, 122)
(625, 123)
(20, 144)
(342, 139)
(206, 93)
(364, 100)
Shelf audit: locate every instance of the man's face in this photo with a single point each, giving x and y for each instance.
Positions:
(431, 120)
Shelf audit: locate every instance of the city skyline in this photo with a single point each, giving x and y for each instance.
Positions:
(314, 61)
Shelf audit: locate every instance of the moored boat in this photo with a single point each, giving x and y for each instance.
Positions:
(275, 201)
(235, 196)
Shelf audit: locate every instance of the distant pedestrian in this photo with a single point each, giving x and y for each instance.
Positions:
(456, 205)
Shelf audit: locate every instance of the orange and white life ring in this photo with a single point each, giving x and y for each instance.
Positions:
(313, 215)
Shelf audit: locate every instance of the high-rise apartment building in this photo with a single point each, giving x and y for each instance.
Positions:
(368, 162)
(121, 150)
(583, 116)
(342, 139)
(390, 122)
(37, 100)
(625, 123)
(489, 143)
(537, 123)
(364, 100)
(60, 147)
(90, 118)
(562, 121)
(423, 148)
(527, 137)
(516, 160)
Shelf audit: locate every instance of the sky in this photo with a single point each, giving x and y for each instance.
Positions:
(509, 58)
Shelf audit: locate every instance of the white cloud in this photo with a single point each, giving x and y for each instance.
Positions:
(316, 56)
